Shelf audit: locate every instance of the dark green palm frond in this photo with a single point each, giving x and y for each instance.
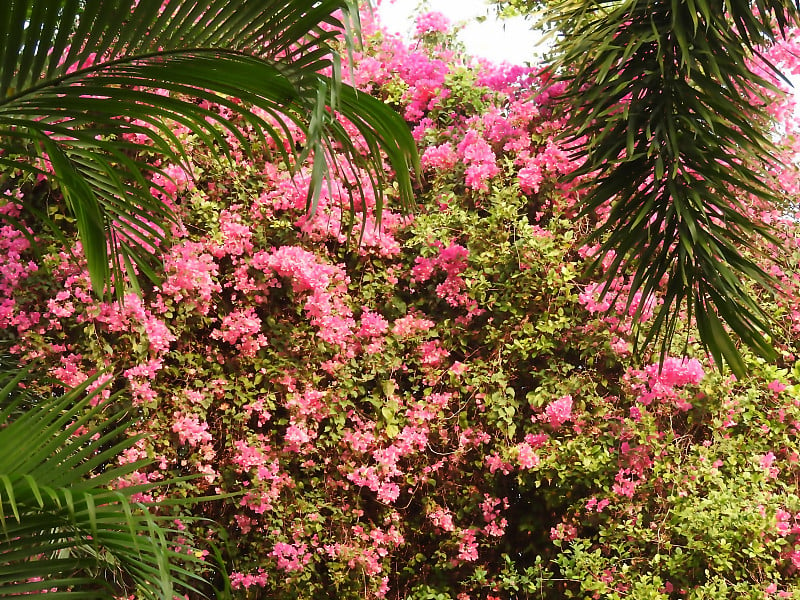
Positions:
(670, 122)
(61, 526)
(75, 77)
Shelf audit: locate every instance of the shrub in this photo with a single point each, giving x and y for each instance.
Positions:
(444, 410)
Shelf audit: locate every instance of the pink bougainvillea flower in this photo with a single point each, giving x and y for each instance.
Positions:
(559, 411)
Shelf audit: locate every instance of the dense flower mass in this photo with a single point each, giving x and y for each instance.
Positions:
(447, 409)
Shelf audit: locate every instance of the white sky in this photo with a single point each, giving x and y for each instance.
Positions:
(507, 40)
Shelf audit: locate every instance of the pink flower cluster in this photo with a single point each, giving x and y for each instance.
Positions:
(468, 546)
(121, 318)
(480, 160)
(664, 380)
(13, 267)
(551, 160)
(411, 325)
(559, 411)
(526, 457)
(439, 158)
(236, 236)
(170, 181)
(426, 83)
(140, 378)
(492, 509)
(326, 284)
(291, 557)
(443, 519)
(242, 328)
(432, 22)
(190, 276)
(190, 429)
(675, 372)
(453, 261)
(242, 581)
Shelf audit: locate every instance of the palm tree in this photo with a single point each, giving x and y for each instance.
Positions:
(77, 76)
(670, 120)
(62, 527)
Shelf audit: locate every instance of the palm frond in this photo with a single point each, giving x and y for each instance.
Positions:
(62, 527)
(77, 76)
(670, 122)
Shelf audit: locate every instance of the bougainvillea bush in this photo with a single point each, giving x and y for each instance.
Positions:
(443, 408)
